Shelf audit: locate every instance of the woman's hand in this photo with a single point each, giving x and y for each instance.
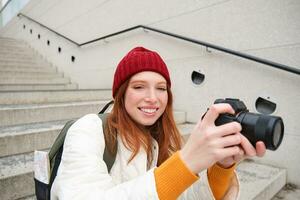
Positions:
(246, 150)
(209, 143)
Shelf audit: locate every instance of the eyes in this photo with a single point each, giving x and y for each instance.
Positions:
(142, 86)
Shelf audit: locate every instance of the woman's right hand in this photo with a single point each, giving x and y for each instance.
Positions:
(209, 143)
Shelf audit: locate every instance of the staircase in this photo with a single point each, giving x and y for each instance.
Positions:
(35, 102)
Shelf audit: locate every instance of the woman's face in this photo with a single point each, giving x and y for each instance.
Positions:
(146, 97)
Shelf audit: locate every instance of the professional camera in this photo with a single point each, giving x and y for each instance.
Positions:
(255, 127)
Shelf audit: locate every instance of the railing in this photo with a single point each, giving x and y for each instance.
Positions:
(206, 44)
(10, 9)
(4, 6)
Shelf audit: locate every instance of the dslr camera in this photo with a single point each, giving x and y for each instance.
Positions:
(255, 127)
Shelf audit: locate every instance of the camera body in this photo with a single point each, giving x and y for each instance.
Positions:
(255, 127)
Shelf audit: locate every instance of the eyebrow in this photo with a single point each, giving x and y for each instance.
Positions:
(141, 81)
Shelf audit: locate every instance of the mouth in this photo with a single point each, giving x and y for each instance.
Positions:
(149, 111)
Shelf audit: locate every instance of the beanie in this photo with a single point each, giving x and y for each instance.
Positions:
(138, 60)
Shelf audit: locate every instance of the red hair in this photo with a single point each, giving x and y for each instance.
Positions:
(135, 136)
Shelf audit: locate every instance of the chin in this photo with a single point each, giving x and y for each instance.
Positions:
(146, 122)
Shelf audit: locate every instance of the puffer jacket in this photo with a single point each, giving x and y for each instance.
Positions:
(83, 174)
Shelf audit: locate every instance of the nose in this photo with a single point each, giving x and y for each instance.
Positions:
(151, 96)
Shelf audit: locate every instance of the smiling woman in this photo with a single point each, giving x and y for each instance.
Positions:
(151, 160)
(146, 97)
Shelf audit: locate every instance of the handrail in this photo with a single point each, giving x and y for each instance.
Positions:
(5, 6)
(72, 41)
(206, 44)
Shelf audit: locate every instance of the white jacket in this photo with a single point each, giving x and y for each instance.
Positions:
(83, 174)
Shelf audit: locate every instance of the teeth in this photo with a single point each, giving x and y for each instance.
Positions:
(148, 110)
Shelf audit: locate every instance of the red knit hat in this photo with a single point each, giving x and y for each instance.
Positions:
(137, 60)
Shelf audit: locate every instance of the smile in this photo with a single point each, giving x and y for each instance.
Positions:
(148, 110)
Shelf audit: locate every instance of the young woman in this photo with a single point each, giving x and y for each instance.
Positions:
(151, 160)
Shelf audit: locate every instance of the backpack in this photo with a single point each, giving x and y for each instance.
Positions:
(42, 190)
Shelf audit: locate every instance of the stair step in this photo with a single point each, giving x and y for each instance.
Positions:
(29, 54)
(26, 65)
(8, 39)
(186, 129)
(25, 50)
(27, 61)
(18, 68)
(72, 86)
(16, 176)
(180, 117)
(15, 165)
(12, 45)
(25, 114)
(19, 55)
(30, 81)
(14, 48)
(11, 41)
(38, 97)
(27, 138)
(31, 197)
(288, 192)
(260, 182)
(17, 74)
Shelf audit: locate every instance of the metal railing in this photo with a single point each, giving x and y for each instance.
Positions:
(206, 44)
(4, 6)
(10, 10)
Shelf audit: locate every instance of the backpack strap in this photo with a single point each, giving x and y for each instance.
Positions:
(59, 142)
(106, 106)
(55, 152)
(108, 157)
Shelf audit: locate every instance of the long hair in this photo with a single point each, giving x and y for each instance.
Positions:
(134, 136)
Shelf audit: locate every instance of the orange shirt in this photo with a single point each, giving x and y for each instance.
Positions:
(172, 181)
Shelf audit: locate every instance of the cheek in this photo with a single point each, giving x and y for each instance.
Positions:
(127, 101)
(164, 100)
(131, 100)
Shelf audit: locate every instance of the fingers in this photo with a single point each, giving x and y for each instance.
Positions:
(230, 140)
(230, 151)
(228, 129)
(214, 111)
(260, 149)
(237, 158)
(247, 146)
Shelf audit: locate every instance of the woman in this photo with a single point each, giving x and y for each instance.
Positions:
(151, 161)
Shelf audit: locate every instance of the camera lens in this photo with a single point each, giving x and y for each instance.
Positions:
(266, 128)
(277, 133)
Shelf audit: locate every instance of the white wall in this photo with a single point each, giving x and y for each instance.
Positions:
(266, 28)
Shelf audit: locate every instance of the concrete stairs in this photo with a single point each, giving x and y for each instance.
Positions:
(35, 103)
(21, 68)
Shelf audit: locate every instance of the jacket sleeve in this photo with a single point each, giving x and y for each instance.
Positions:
(201, 189)
(83, 174)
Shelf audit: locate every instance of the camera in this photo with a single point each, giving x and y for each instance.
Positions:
(255, 127)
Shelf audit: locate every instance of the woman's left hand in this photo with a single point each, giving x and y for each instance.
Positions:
(246, 150)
